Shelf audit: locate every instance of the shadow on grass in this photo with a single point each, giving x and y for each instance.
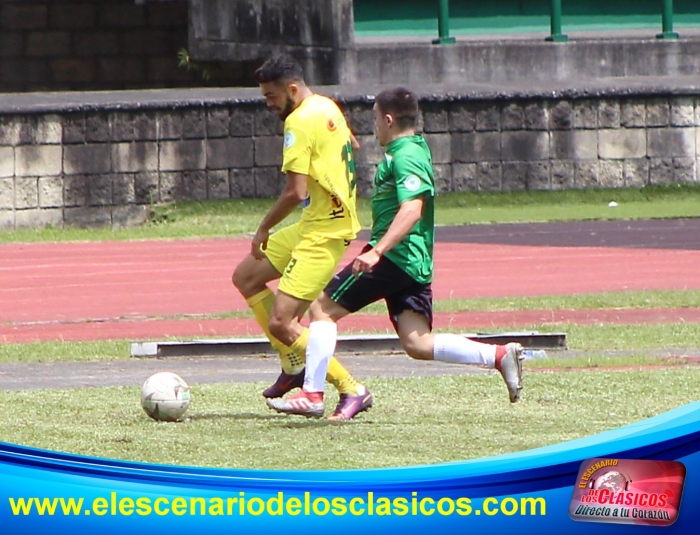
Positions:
(234, 416)
(295, 422)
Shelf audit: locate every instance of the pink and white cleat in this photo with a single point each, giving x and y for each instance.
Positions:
(309, 404)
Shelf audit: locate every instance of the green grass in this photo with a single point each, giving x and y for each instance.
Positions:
(103, 350)
(593, 339)
(628, 337)
(240, 216)
(595, 301)
(410, 425)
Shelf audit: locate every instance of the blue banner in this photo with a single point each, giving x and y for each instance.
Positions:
(530, 491)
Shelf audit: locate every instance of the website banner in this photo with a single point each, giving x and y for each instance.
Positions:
(639, 477)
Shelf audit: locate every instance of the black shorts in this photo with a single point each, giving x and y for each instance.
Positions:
(386, 281)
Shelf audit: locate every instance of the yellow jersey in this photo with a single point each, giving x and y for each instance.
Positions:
(317, 144)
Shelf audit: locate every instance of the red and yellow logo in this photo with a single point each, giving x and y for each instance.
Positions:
(331, 125)
(628, 491)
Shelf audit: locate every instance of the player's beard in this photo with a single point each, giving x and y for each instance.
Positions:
(288, 108)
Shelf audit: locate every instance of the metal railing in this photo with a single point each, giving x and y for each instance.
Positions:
(555, 18)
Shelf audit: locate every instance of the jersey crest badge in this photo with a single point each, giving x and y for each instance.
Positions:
(412, 183)
(288, 140)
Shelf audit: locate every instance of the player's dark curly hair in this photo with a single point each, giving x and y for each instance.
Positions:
(400, 103)
(282, 68)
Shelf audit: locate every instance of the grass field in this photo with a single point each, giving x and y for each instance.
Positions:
(416, 420)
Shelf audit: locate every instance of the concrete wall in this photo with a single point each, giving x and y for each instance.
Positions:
(59, 45)
(316, 32)
(520, 60)
(105, 158)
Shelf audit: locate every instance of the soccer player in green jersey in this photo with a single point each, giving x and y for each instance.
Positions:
(397, 266)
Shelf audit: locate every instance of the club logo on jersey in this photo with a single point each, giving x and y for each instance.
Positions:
(331, 125)
(288, 140)
(412, 183)
(306, 202)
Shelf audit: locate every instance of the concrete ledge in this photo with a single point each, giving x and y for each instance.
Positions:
(174, 99)
(346, 344)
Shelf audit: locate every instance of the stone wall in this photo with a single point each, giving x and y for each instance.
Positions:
(59, 45)
(104, 159)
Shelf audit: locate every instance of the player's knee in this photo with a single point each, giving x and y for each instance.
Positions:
(417, 348)
(239, 277)
(280, 329)
(322, 309)
(246, 279)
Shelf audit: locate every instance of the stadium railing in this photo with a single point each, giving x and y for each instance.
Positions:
(555, 16)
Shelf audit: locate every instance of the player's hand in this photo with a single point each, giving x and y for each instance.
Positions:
(365, 262)
(259, 243)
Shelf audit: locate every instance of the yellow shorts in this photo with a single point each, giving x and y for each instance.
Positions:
(307, 262)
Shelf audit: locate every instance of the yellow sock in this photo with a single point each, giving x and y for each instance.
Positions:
(261, 305)
(341, 378)
(295, 355)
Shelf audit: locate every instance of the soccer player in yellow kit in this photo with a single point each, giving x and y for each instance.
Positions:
(318, 162)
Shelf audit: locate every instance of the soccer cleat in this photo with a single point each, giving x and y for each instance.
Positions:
(350, 406)
(511, 368)
(284, 383)
(302, 403)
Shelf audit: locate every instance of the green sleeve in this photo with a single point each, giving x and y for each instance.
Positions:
(414, 177)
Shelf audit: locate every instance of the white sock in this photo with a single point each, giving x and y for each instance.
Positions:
(457, 349)
(323, 336)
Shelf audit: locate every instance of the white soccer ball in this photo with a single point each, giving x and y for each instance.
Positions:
(165, 396)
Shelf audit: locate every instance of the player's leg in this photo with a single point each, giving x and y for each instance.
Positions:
(343, 295)
(313, 263)
(323, 336)
(285, 325)
(250, 278)
(411, 314)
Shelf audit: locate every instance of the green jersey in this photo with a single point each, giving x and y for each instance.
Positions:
(406, 173)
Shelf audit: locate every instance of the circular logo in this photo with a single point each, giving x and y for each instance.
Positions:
(412, 183)
(288, 140)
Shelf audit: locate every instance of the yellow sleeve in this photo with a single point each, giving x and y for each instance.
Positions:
(297, 149)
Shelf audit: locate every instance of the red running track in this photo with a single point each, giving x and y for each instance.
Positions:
(157, 329)
(59, 289)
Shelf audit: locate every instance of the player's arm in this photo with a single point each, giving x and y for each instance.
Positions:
(406, 218)
(353, 141)
(294, 193)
